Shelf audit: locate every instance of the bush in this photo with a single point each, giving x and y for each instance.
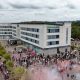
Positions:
(73, 47)
(18, 72)
(9, 65)
(2, 52)
(1, 48)
(7, 56)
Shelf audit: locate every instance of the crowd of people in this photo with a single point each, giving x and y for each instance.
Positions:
(3, 70)
(62, 60)
(26, 58)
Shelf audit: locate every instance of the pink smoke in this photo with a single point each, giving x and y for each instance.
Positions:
(44, 73)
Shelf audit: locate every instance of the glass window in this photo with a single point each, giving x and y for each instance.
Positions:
(30, 40)
(53, 42)
(53, 36)
(66, 35)
(57, 42)
(30, 34)
(31, 29)
(52, 30)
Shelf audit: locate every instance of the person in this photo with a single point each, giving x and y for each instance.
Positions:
(67, 75)
(6, 76)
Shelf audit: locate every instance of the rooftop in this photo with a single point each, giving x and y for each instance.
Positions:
(42, 22)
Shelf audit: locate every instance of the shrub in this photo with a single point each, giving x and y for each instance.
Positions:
(73, 47)
(2, 52)
(18, 72)
(7, 56)
(9, 65)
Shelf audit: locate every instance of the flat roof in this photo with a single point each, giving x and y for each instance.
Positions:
(41, 22)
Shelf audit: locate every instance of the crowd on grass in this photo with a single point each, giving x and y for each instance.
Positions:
(27, 58)
(4, 70)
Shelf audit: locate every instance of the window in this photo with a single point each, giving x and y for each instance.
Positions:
(30, 40)
(37, 36)
(57, 42)
(31, 29)
(66, 35)
(5, 29)
(37, 42)
(49, 43)
(37, 30)
(57, 36)
(53, 36)
(14, 34)
(52, 30)
(17, 25)
(14, 31)
(14, 27)
(5, 26)
(5, 32)
(53, 42)
(30, 34)
(56, 30)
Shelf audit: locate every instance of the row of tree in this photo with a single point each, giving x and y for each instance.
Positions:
(76, 30)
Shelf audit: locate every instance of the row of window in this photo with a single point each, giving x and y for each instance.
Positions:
(5, 26)
(66, 35)
(31, 40)
(14, 27)
(5, 37)
(53, 43)
(14, 34)
(53, 36)
(30, 34)
(5, 29)
(54, 26)
(30, 29)
(52, 30)
(5, 32)
(14, 31)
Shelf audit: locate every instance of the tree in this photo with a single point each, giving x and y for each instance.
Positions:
(7, 56)
(2, 52)
(76, 30)
(9, 63)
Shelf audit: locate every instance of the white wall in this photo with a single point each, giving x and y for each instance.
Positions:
(4, 30)
(43, 34)
(62, 34)
(17, 31)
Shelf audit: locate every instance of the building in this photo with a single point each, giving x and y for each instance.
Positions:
(44, 37)
(5, 31)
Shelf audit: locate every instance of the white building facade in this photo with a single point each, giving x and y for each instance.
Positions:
(5, 31)
(47, 38)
